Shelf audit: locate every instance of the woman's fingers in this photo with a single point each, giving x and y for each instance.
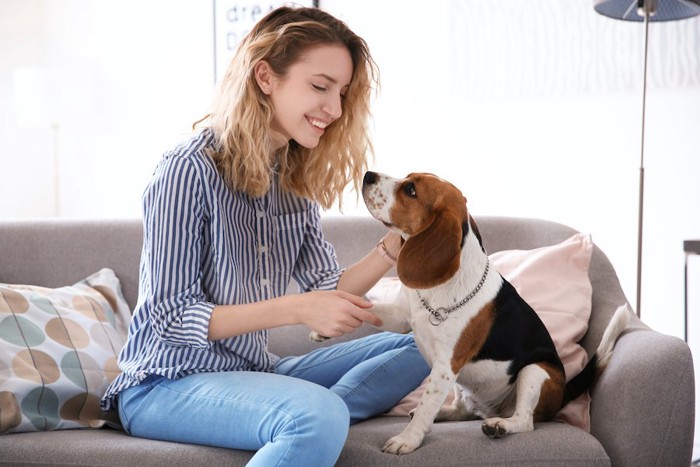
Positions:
(361, 312)
(333, 313)
(366, 316)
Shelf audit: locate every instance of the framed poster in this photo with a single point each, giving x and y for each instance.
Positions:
(232, 21)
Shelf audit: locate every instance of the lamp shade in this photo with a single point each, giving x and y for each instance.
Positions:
(666, 10)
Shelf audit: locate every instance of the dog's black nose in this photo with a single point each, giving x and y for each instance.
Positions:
(369, 179)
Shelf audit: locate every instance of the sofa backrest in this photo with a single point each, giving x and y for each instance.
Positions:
(58, 252)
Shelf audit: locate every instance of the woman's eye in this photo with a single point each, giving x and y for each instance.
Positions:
(410, 189)
(318, 88)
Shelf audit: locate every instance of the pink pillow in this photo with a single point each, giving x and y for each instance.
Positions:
(554, 281)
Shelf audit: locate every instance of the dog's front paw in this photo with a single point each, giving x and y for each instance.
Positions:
(402, 444)
(314, 336)
(494, 428)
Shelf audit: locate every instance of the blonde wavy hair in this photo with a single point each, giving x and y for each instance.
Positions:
(241, 113)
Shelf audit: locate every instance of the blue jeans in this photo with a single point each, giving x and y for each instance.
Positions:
(299, 415)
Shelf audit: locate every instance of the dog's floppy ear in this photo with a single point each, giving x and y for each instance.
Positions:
(431, 257)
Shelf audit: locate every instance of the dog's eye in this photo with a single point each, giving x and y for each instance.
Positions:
(410, 189)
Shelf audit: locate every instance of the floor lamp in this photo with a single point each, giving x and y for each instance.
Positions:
(646, 11)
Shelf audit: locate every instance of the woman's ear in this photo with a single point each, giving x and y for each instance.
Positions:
(432, 256)
(263, 76)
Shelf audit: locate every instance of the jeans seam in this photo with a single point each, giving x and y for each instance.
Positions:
(123, 418)
(287, 414)
(289, 445)
(268, 406)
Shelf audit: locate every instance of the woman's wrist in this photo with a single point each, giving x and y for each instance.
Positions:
(388, 248)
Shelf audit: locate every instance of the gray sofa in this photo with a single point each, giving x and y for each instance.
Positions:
(642, 411)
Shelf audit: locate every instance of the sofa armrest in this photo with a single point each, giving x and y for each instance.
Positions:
(643, 406)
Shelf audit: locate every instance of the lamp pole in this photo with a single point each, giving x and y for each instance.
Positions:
(646, 8)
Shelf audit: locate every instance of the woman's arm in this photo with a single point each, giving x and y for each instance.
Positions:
(170, 264)
(330, 313)
(364, 274)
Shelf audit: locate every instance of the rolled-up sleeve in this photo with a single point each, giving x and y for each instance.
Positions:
(317, 266)
(171, 279)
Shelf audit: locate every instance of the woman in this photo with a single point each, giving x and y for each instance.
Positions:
(230, 216)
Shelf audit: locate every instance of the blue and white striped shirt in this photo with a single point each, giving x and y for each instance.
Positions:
(206, 245)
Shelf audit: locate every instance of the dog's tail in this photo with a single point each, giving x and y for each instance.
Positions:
(597, 364)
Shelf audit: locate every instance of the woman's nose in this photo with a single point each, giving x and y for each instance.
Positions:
(334, 106)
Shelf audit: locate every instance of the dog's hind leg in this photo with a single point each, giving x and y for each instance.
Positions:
(539, 392)
(460, 409)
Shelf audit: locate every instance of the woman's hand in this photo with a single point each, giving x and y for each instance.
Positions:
(333, 313)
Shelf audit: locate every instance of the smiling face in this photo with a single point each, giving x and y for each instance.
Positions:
(310, 96)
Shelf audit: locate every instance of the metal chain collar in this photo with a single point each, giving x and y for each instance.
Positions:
(438, 316)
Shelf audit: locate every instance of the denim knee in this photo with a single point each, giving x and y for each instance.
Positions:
(327, 413)
(318, 431)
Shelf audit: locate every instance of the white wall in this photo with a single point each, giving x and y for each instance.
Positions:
(532, 108)
(124, 81)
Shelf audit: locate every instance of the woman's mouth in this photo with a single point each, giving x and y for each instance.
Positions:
(318, 124)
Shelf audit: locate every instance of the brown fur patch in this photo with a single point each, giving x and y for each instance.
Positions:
(433, 219)
(431, 257)
(473, 337)
(551, 394)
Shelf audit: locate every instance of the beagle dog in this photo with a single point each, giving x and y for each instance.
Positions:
(479, 336)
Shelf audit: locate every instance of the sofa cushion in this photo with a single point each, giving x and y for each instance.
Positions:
(448, 444)
(58, 352)
(464, 444)
(554, 281)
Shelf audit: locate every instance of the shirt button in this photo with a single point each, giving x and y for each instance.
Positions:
(259, 213)
(264, 282)
(262, 249)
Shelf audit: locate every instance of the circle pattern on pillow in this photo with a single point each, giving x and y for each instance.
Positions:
(58, 352)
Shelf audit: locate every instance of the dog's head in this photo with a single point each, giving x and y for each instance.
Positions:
(430, 214)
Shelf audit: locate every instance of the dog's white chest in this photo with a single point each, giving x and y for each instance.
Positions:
(436, 338)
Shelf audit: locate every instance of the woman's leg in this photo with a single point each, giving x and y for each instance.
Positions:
(371, 374)
(288, 421)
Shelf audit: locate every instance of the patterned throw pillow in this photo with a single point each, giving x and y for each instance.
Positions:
(58, 352)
